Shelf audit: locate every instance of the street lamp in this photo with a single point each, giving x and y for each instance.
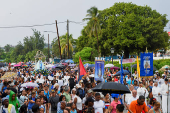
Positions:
(112, 51)
(163, 52)
(122, 52)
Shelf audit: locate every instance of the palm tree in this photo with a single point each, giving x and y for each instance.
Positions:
(64, 46)
(93, 26)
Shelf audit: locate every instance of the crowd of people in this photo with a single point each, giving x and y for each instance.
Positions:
(61, 92)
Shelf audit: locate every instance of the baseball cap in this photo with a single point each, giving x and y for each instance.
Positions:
(90, 91)
(115, 95)
(5, 98)
(52, 91)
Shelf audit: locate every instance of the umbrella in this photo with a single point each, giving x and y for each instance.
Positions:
(109, 65)
(125, 72)
(13, 64)
(24, 65)
(65, 64)
(49, 66)
(9, 75)
(165, 67)
(72, 65)
(90, 66)
(30, 84)
(111, 87)
(60, 66)
(76, 69)
(86, 65)
(69, 61)
(135, 66)
(17, 65)
(115, 68)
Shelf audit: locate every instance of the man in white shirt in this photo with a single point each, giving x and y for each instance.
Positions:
(160, 81)
(164, 92)
(128, 95)
(156, 92)
(133, 97)
(66, 77)
(99, 106)
(60, 82)
(142, 91)
(6, 106)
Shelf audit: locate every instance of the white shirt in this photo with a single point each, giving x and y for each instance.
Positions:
(60, 83)
(155, 91)
(164, 89)
(132, 99)
(50, 77)
(141, 91)
(160, 82)
(6, 109)
(127, 96)
(66, 79)
(79, 102)
(41, 80)
(98, 106)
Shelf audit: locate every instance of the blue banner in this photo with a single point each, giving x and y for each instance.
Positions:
(99, 70)
(146, 64)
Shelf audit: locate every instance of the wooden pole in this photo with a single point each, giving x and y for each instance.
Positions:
(68, 38)
(58, 39)
(48, 50)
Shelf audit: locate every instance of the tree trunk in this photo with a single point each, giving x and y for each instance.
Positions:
(126, 53)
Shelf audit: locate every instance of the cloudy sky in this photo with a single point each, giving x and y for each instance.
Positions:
(38, 12)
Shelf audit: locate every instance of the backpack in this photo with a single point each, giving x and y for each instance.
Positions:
(81, 94)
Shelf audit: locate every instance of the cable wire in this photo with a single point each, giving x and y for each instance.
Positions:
(32, 25)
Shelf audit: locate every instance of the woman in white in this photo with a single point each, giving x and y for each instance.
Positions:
(73, 93)
(78, 102)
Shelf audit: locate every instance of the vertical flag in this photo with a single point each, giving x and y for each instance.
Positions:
(121, 76)
(82, 70)
(138, 68)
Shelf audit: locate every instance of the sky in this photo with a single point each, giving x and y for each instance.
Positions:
(38, 12)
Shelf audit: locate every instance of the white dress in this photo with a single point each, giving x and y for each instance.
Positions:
(164, 89)
(155, 91)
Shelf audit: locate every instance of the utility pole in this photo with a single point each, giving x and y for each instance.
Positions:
(68, 37)
(48, 50)
(58, 39)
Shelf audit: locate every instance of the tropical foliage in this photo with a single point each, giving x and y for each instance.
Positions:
(128, 27)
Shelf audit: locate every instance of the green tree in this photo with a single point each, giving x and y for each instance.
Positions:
(93, 26)
(29, 44)
(55, 48)
(38, 40)
(132, 28)
(64, 46)
(86, 54)
(7, 48)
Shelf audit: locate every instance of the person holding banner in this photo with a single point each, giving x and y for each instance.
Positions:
(164, 92)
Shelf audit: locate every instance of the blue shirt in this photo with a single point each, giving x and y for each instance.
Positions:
(31, 104)
(74, 111)
(129, 82)
(60, 111)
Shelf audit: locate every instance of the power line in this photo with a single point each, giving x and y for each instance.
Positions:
(32, 25)
(6, 27)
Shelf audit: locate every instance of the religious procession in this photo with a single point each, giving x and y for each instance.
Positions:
(84, 56)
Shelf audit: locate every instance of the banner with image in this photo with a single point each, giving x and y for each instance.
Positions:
(146, 66)
(99, 69)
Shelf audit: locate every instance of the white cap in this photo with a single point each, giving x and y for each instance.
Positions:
(77, 85)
